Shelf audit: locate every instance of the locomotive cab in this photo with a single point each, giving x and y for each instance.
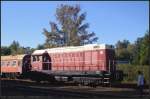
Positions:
(40, 61)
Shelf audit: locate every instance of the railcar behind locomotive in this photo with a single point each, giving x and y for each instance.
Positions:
(14, 65)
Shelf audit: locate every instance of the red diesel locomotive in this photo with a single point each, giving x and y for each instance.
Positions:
(80, 62)
(81, 58)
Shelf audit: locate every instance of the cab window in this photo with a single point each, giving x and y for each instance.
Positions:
(8, 63)
(39, 58)
(33, 57)
(13, 63)
(2, 63)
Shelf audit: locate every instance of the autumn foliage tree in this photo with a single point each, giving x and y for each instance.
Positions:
(73, 30)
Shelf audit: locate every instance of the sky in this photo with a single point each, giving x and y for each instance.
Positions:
(23, 21)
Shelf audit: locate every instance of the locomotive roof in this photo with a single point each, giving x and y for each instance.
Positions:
(39, 51)
(73, 48)
(11, 57)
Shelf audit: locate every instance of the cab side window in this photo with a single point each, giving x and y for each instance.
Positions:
(2, 63)
(37, 58)
(8, 63)
(40, 58)
(13, 63)
(33, 57)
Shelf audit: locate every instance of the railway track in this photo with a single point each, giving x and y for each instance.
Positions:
(67, 93)
(70, 91)
(54, 92)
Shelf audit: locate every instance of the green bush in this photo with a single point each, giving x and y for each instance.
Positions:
(131, 72)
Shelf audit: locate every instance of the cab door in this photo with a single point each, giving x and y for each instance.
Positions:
(46, 62)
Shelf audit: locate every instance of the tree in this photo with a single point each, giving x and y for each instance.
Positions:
(144, 50)
(141, 51)
(40, 46)
(17, 49)
(136, 50)
(53, 38)
(122, 50)
(5, 50)
(25, 50)
(14, 48)
(130, 49)
(73, 31)
(122, 44)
